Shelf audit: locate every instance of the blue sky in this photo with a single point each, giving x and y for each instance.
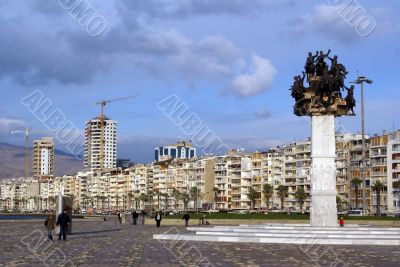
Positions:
(231, 61)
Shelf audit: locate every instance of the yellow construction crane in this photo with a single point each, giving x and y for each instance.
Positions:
(26, 131)
(26, 149)
(102, 104)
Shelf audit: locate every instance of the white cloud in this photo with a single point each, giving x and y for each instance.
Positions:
(336, 23)
(259, 79)
(8, 124)
(262, 113)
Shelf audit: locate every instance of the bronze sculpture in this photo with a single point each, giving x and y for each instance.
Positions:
(323, 96)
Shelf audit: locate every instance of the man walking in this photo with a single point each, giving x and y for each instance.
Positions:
(158, 218)
(186, 217)
(63, 220)
(134, 217)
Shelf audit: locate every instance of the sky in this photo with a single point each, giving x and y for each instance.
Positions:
(229, 62)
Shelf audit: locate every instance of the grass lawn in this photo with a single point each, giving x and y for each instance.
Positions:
(232, 216)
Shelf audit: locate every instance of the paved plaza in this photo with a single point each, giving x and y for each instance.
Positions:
(99, 243)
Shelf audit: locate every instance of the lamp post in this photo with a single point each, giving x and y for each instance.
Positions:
(360, 80)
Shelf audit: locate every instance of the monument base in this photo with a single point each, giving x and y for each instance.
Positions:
(323, 211)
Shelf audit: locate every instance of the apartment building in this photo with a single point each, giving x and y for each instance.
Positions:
(93, 151)
(393, 172)
(43, 159)
(378, 167)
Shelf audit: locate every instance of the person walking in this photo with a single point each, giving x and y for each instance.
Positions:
(142, 214)
(119, 215)
(123, 217)
(63, 220)
(158, 218)
(134, 217)
(186, 217)
(49, 224)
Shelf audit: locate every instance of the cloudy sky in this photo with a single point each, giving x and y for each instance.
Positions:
(230, 62)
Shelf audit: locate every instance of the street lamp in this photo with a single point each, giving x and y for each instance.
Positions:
(361, 80)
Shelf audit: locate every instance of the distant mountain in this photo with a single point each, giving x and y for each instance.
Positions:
(12, 161)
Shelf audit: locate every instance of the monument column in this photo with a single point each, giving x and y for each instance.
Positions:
(323, 101)
(323, 171)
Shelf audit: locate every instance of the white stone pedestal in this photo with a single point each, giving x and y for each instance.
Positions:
(323, 210)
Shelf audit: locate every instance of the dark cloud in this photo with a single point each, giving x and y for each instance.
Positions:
(68, 55)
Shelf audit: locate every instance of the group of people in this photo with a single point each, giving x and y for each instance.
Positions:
(63, 221)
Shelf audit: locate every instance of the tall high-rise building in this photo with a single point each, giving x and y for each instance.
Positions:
(181, 150)
(93, 144)
(43, 158)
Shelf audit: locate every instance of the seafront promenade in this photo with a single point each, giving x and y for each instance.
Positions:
(108, 243)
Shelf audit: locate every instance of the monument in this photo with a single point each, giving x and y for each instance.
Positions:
(322, 100)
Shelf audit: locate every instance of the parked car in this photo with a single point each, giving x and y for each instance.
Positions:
(355, 212)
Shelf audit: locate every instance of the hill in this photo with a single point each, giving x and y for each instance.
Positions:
(12, 161)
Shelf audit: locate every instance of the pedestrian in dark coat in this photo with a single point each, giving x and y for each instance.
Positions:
(134, 217)
(186, 217)
(63, 220)
(158, 218)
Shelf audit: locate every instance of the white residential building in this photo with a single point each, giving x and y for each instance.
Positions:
(93, 144)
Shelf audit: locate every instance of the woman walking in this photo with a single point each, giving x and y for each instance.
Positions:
(49, 224)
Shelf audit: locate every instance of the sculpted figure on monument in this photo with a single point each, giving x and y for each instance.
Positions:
(350, 101)
(298, 87)
(320, 63)
(310, 64)
(324, 94)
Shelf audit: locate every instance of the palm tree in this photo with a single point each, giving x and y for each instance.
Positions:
(130, 196)
(300, 196)
(356, 182)
(144, 198)
(253, 195)
(338, 203)
(175, 194)
(377, 187)
(166, 196)
(268, 192)
(216, 191)
(282, 192)
(185, 198)
(194, 191)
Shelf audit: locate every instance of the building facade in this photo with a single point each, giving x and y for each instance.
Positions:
(43, 158)
(93, 151)
(180, 150)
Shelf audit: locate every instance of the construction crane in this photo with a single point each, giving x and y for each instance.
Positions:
(26, 131)
(102, 104)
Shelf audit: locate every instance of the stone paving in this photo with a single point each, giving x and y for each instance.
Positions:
(99, 243)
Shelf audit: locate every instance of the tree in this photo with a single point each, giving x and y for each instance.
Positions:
(194, 191)
(253, 195)
(356, 182)
(300, 196)
(282, 192)
(144, 198)
(338, 203)
(166, 196)
(377, 187)
(175, 194)
(268, 192)
(185, 199)
(216, 191)
(130, 196)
